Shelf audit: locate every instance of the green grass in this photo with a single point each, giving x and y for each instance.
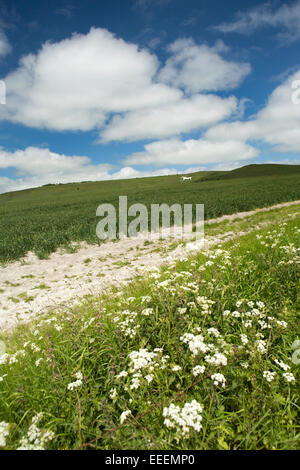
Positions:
(197, 292)
(43, 219)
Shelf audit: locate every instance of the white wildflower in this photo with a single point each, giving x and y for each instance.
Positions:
(218, 379)
(282, 365)
(77, 383)
(244, 339)
(217, 359)
(288, 376)
(112, 393)
(189, 417)
(181, 310)
(4, 432)
(268, 375)
(124, 416)
(214, 332)
(245, 365)
(196, 343)
(261, 346)
(123, 373)
(135, 382)
(198, 370)
(149, 377)
(36, 439)
(147, 311)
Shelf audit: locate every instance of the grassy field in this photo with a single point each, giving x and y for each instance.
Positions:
(197, 355)
(43, 219)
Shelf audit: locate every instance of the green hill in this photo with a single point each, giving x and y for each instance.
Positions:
(42, 219)
(254, 170)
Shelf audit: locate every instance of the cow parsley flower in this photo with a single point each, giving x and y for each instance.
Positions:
(261, 346)
(77, 383)
(123, 373)
(181, 310)
(288, 376)
(217, 359)
(135, 382)
(195, 342)
(36, 438)
(244, 339)
(112, 393)
(214, 332)
(245, 365)
(4, 432)
(147, 311)
(218, 379)
(149, 377)
(141, 359)
(268, 375)
(185, 419)
(282, 365)
(198, 370)
(124, 416)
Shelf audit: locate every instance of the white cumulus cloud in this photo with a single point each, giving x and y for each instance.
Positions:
(192, 152)
(75, 83)
(201, 68)
(98, 81)
(185, 115)
(277, 124)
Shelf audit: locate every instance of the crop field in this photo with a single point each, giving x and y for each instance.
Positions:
(201, 353)
(43, 219)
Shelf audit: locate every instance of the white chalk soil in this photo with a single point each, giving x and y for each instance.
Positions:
(31, 286)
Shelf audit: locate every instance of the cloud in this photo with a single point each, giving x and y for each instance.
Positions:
(66, 11)
(5, 46)
(191, 152)
(185, 115)
(286, 18)
(76, 83)
(98, 81)
(36, 166)
(40, 161)
(277, 124)
(201, 68)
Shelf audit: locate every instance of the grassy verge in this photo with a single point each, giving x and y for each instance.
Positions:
(198, 355)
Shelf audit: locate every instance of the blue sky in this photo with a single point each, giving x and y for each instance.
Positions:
(125, 88)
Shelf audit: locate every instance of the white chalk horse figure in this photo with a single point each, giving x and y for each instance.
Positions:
(186, 178)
